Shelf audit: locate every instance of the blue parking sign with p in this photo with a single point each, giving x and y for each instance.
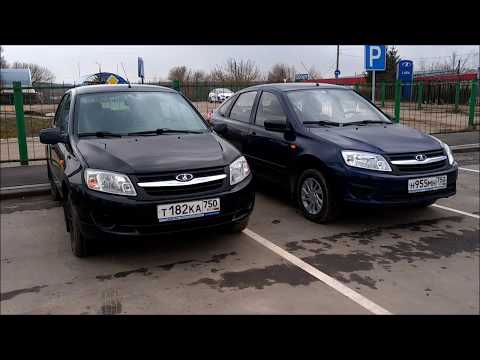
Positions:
(375, 57)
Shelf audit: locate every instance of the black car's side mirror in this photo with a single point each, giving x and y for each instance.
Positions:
(276, 125)
(220, 128)
(53, 136)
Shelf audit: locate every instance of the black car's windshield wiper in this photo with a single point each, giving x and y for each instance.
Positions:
(164, 131)
(321, 122)
(365, 122)
(100, 134)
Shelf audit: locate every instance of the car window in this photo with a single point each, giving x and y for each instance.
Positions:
(222, 110)
(243, 107)
(133, 111)
(335, 105)
(61, 120)
(269, 108)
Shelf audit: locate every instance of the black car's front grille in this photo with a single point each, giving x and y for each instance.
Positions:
(172, 174)
(183, 189)
(413, 168)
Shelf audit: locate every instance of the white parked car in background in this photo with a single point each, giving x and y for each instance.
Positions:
(219, 95)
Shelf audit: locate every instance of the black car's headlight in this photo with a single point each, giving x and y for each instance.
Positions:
(239, 170)
(109, 182)
(365, 160)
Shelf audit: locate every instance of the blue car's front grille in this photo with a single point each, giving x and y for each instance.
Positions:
(415, 168)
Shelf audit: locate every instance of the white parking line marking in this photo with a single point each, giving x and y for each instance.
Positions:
(457, 211)
(467, 169)
(328, 280)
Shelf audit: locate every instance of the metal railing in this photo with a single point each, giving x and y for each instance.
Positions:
(430, 107)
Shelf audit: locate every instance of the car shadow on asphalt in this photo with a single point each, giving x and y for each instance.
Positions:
(351, 214)
(183, 243)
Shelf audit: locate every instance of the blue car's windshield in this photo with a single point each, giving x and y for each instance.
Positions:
(333, 106)
(129, 112)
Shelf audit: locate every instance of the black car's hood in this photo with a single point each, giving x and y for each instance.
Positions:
(149, 154)
(388, 139)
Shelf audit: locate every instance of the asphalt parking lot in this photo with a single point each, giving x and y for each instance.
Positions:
(403, 261)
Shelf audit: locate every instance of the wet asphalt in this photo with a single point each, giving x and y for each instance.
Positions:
(408, 261)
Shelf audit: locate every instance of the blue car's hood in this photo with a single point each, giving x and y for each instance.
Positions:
(388, 139)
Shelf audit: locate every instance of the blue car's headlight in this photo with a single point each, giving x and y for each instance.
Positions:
(445, 147)
(365, 160)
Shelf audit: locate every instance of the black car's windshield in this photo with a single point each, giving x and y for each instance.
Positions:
(333, 107)
(135, 112)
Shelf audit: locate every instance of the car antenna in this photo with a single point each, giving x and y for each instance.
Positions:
(128, 81)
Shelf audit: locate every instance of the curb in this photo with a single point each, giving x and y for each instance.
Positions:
(24, 190)
(465, 148)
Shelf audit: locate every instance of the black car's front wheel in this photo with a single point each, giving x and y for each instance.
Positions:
(316, 198)
(53, 188)
(80, 245)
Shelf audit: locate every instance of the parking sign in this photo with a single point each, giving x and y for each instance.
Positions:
(375, 57)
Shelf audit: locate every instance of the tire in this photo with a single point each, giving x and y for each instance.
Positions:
(324, 204)
(53, 188)
(238, 226)
(80, 245)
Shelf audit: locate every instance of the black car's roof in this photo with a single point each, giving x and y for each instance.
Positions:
(89, 89)
(294, 86)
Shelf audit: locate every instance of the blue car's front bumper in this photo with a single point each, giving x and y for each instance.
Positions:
(380, 188)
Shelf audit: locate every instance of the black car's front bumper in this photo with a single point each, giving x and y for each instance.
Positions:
(385, 189)
(103, 215)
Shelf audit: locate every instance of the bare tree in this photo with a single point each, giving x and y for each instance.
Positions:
(236, 71)
(198, 75)
(280, 72)
(314, 73)
(39, 73)
(3, 62)
(454, 63)
(178, 73)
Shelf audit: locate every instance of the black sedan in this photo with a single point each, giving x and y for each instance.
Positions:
(141, 161)
(327, 145)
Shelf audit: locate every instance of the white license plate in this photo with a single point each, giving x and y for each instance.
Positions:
(427, 184)
(190, 209)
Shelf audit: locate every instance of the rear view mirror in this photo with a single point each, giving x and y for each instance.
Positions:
(276, 125)
(53, 136)
(220, 128)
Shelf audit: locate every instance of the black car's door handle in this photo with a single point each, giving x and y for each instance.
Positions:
(253, 133)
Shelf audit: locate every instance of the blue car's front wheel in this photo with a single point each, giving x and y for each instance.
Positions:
(315, 197)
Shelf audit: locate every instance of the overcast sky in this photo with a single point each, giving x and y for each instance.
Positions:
(67, 61)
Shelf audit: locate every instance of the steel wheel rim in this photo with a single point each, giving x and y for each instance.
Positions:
(312, 196)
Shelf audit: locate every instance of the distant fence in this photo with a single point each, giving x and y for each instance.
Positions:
(431, 107)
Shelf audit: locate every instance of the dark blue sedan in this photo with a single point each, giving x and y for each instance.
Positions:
(328, 146)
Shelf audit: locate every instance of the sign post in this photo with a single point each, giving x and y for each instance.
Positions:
(141, 71)
(375, 60)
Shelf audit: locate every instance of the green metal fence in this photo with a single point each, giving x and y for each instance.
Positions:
(430, 107)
